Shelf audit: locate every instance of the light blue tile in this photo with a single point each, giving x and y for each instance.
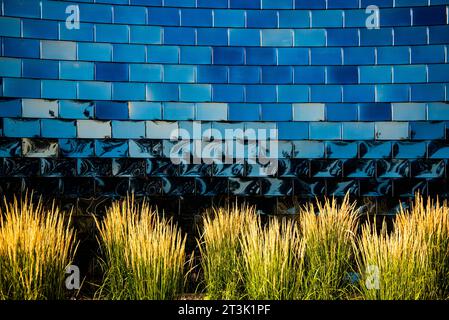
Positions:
(358, 130)
(392, 131)
(277, 38)
(58, 50)
(164, 54)
(128, 129)
(71, 70)
(145, 72)
(21, 128)
(409, 111)
(93, 129)
(195, 92)
(325, 131)
(162, 92)
(39, 108)
(178, 111)
(212, 111)
(111, 33)
(308, 149)
(178, 73)
(129, 53)
(161, 129)
(59, 89)
(310, 38)
(410, 74)
(308, 112)
(90, 90)
(94, 51)
(71, 109)
(124, 91)
(146, 34)
(139, 110)
(229, 18)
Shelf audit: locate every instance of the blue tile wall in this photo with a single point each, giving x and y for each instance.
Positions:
(354, 109)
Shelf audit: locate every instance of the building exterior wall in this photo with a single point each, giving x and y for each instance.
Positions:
(90, 107)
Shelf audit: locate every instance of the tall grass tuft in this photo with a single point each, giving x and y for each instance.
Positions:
(430, 221)
(144, 254)
(273, 258)
(36, 246)
(220, 248)
(329, 232)
(394, 266)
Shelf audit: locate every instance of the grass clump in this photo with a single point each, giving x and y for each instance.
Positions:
(36, 246)
(273, 261)
(144, 254)
(220, 248)
(329, 232)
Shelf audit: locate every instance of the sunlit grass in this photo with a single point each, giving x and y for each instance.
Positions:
(144, 254)
(36, 246)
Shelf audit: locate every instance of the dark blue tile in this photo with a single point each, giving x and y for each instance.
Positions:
(212, 37)
(395, 17)
(261, 93)
(244, 74)
(196, 17)
(341, 112)
(10, 108)
(359, 56)
(46, 69)
(326, 56)
(375, 112)
(277, 112)
(293, 130)
(393, 55)
(277, 75)
(230, 56)
(439, 34)
(244, 4)
(261, 19)
(228, 93)
(111, 71)
(21, 48)
(427, 92)
(109, 110)
(342, 37)
(41, 29)
(244, 112)
(327, 93)
(293, 56)
(163, 16)
(342, 75)
(426, 16)
(309, 75)
(306, 4)
(427, 54)
(261, 56)
(410, 36)
(179, 36)
(212, 74)
(376, 37)
(332, 4)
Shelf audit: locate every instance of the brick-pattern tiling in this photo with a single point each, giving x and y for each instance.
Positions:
(91, 111)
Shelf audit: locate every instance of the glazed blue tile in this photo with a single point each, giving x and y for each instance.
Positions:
(342, 37)
(277, 75)
(125, 91)
(21, 128)
(181, 36)
(212, 74)
(196, 55)
(162, 92)
(214, 4)
(410, 150)
(54, 89)
(129, 53)
(359, 56)
(179, 3)
(427, 130)
(145, 72)
(277, 112)
(10, 67)
(139, 110)
(409, 74)
(129, 15)
(28, 9)
(331, 4)
(341, 112)
(310, 37)
(427, 54)
(128, 129)
(310, 75)
(375, 112)
(393, 55)
(163, 16)
(244, 112)
(325, 131)
(91, 90)
(244, 4)
(111, 33)
(261, 93)
(406, 3)
(409, 111)
(95, 13)
(244, 74)
(438, 34)
(379, 3)
(21, 48)
(195, 92)
(277, 4)
(196, 17)
(293, 130)
(146, 34)
(261, 56)
(395, 17)
(72, 109)
(229, 18)
(376, 37)
(438, 111)
(10, 108)
(306, 4)
(327, 18)
(358, 131)
(308, 112)
(228, 93)
(244, 37)
(178, 111)
(76, 148)
(358, 93)
(410, 36)
(178, 73)
(326, 56)
(164, 54)
(375, 74)
(212, 37)
(261, 19)
(53, 128)
(294, 19)
(355, 18)
(293, 93)
(308, 149)
(109, 110)
(293, 56)
(327, 93)
(438, 73)
(46, 69)
(71, 70)
(392, 93)
(341, 150)
(95, 51)
(427, 92)
(425, 16)
(40, 29)
(111, 71)
(342, 75)
(277, 38)
(24, 88)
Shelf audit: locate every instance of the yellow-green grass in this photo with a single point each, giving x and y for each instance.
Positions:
(36, 246)
(273, 260)
(220, 248)
(144, 253)
(328, 230)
